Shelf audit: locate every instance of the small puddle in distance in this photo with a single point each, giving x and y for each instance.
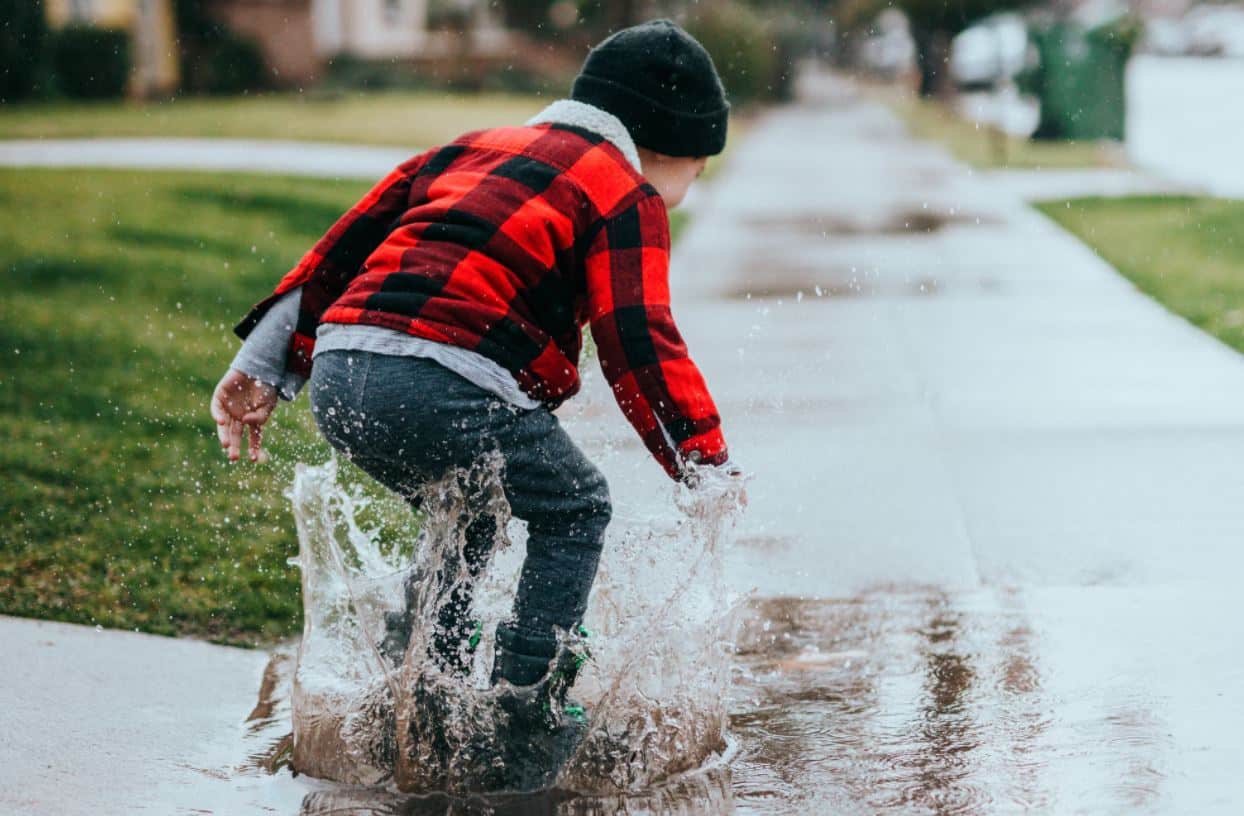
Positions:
(836, 225)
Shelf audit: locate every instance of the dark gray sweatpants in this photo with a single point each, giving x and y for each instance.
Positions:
(407, 420)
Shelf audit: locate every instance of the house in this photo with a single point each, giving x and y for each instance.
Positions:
(284, 31)
(153, 36)
(298, 37)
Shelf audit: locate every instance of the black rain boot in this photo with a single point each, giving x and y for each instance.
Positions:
(541, 729)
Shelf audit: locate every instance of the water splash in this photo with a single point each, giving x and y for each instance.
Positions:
(340, 711)
(662, 624)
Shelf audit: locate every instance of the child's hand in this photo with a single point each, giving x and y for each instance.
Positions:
(729, 475)
(240, 401)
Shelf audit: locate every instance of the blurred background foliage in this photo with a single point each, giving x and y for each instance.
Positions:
(524, 46)
(932, 24)
(213, 58)
(89, 62)
(24, 69)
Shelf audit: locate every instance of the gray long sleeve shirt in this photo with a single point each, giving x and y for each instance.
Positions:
(264, 353)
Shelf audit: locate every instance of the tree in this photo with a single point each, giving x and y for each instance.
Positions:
(934, 23)
(23, 48)
(535, 17)
(528, 16)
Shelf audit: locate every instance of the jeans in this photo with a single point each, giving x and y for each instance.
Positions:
(407, 420)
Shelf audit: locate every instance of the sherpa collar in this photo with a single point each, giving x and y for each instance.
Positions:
(590, 117)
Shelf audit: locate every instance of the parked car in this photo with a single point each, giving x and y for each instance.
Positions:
(1215, 31)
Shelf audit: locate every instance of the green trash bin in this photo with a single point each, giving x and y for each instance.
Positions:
(1080, 79)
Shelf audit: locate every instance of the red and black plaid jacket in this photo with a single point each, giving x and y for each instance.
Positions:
(506, 242)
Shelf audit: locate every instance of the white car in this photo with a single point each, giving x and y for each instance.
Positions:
(1215, 31)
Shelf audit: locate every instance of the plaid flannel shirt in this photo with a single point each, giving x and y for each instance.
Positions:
(506, 242)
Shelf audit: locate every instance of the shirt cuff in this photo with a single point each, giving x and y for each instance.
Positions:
(263, 354)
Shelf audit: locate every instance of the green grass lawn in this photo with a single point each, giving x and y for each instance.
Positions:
(1187, 253)
(116, 505)
(414, 119)
(987, 148)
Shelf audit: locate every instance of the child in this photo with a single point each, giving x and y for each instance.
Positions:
(443, 314)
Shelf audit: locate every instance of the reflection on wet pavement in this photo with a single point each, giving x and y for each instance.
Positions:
(267, 726)
(896, 701)
(913, 221)
(916, 702)
(706, 793)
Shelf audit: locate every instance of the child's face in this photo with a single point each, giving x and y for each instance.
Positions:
(671, 175)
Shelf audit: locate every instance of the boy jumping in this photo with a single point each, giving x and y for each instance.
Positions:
(443, 314)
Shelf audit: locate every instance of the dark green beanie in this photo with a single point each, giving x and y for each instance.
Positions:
(661, 83)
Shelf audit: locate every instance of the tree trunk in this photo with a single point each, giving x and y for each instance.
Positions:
(529, 16)
(933, 60)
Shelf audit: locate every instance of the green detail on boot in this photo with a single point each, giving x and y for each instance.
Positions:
(585, 654)
(476, 636)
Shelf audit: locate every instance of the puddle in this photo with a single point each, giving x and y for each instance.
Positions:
(895, 701)
(776, 280)
(899, 700)
(920, 702)
(268, 735)
(916, 221)
(708, 792)
(797, 282)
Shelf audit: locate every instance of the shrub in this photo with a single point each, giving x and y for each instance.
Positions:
(90, 62)
(454, 74)
(233, 64)
(214, 58)
(23, 49)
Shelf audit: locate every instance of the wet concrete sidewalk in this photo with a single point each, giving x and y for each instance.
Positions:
(995, 526)
(105, 722)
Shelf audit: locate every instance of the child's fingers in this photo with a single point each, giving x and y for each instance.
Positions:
(235, 440)
(257, 417)
(218, 409)
(221, 417)
(256, 443)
